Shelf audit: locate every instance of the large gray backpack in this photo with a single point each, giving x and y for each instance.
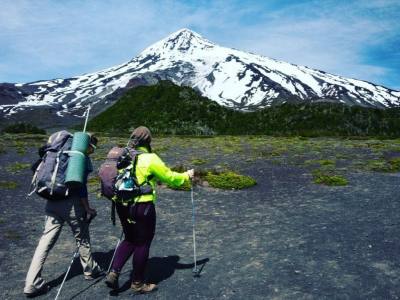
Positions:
(49, 175)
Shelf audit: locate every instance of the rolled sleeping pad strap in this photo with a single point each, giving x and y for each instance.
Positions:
(75, 175)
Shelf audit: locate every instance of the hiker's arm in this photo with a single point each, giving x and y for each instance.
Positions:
(85, 202)
(165, 174)
(88, 209)
(84, 192)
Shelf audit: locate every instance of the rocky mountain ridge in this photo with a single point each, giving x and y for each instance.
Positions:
(232, 78)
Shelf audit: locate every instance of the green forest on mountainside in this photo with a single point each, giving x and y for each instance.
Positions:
(170, 109)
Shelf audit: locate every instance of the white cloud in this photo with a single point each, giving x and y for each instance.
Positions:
(60, 39)
(331, 39)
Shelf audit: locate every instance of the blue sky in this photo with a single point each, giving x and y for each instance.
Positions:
(44, 39)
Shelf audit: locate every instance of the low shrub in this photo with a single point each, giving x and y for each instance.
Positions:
(12, 235)
(198, 161)
(93, 184)
(18, 167)
(9, 185)
(216, 178)
(387, 166)
(394, 164)
(327, 178)
(229, 180)
(326, 163)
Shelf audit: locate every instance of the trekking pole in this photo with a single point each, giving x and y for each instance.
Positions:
(73, 258)
(195, 270)
(115, 251)
(87, 117)
(66, 274)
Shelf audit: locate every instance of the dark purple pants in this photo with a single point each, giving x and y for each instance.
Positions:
(138, 237)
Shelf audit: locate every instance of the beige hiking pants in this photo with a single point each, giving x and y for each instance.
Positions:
(58, 212)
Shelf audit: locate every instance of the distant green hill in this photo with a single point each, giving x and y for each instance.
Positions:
(170, 109)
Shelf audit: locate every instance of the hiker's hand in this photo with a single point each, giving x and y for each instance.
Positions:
(190, 173)
(91, 212)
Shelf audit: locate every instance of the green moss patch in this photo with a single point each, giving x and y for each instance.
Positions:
(229, 180)
(378, 166)
(160, 149)
(179, 168)
(18, 167)
(342, 156)
(198, 161)
(99, 155)
(394, 164)
(322, 162)
(20, 147)
(327, 178)
(12, 235)
(382, 165)
(10, 185)
(271, 153)
(326, 162)
(93, 184)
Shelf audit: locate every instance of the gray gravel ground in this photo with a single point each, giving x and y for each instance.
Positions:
(286, 238)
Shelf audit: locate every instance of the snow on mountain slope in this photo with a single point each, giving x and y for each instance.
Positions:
(230, 77)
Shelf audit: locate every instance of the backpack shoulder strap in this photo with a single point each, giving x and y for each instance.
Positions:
(134, 163)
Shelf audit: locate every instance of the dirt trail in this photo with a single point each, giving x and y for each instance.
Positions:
(286, 238)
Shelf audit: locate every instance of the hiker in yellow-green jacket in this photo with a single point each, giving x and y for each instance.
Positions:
(139, 221)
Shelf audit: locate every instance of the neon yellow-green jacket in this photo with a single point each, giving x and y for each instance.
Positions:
(151, 164)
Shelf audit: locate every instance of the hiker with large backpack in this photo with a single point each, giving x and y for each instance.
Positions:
(64, 204)
(138, 214)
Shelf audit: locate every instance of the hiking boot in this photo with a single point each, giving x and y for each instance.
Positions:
(142, 288)
(112, 280)
(37, 292)
(94, 275)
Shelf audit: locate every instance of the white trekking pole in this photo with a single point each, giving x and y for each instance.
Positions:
(115, 251)
(87, 117)
(195, 270)
(76, 253)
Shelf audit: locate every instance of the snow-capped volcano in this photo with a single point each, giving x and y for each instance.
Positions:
(230, 77)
